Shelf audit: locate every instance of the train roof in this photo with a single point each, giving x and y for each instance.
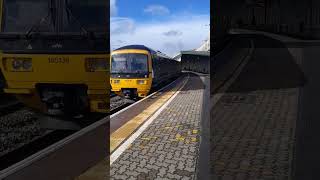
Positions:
(142, 47)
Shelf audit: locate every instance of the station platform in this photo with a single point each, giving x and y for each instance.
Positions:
(162, 140)
(256, 115)
(158, 137)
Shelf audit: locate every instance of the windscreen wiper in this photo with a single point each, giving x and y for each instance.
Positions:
(36, 25)
(70, 15)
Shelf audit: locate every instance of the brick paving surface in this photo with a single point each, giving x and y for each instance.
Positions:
(253, 134)
(168, 148)
(253, 125)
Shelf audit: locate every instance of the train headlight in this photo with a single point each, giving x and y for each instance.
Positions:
(96, 64)
(19, 64)
(140, 82)
(16, 64)
(27, 64)
(116, 81)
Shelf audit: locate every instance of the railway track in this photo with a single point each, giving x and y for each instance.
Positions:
(25, 132)
(22, 134)
(117, 103)
(8, 104)
(10, 108)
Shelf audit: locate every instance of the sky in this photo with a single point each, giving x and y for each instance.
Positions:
(169, 26)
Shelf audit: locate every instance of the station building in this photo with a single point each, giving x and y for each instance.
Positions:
(198, 61)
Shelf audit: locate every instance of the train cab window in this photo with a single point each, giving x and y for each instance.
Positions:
(19, 16)
(129, 63)
(85, 15)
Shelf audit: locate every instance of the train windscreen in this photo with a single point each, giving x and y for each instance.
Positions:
(129, 63)
(87, 15)
(19, 16)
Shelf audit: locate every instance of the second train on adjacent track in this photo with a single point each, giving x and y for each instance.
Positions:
(137, 69)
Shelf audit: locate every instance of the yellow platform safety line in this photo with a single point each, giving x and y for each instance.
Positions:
(101, 170)
(127, 129)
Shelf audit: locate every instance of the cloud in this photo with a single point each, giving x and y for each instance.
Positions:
(173, 33)
(157, 10)
(113, 8)
(175, 46)
(183, 33)
(120, 41)
(121, 25)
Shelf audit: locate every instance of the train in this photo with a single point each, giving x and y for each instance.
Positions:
(136, 70)
(55, 54)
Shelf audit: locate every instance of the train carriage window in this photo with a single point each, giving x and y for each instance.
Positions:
(156, 63)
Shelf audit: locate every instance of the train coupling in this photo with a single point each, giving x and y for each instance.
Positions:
(54, 101)
(129, 93)
(64, 101)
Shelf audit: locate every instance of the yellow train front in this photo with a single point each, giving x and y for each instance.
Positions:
(55, 54)
(137, 69)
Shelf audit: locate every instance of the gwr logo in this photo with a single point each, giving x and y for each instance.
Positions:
(59, 60)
